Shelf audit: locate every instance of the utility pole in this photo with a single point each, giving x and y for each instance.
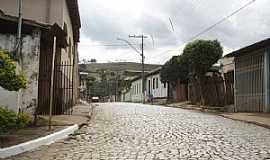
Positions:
(52, 85)
(19, 29)
(142, 54)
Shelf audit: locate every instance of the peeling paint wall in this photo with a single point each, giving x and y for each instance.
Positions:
(25, 99)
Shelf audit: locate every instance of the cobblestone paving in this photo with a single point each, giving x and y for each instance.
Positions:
(134, 131)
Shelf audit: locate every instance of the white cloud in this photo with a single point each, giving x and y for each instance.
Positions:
(105, 20)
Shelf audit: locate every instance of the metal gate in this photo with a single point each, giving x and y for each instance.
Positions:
(63, 94)
(63, 88)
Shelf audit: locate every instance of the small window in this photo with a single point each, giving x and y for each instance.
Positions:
(65, 28)
(154, 83)
(69, 48)
(149, 86)
(164, 84)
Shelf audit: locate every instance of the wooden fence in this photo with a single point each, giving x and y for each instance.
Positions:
(215, 91)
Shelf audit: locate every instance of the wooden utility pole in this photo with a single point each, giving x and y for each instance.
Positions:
(142, 55)
(51, 87)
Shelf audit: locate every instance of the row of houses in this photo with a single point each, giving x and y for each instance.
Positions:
(245, 78)
(47, 27)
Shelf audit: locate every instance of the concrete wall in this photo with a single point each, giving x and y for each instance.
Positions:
(136, 91)
(26, 99)
(227, 64)
(126, 96)
(30, 67)
(47, 12)
(43, 11)
(67, 53)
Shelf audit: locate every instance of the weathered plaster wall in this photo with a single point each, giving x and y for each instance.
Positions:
(26, 99)
(43, 11)
(30, 67)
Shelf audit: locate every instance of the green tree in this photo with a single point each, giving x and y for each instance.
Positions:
(9, 79)
(201, 55)
(90, 80)
(176, 69)
(103, 74)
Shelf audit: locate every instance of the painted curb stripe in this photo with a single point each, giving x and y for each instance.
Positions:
(30, 145)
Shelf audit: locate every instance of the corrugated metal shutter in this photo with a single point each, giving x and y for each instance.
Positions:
(250, 82)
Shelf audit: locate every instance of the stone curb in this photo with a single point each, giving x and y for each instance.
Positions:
(30, 145)
(246, 121)
(224, 116)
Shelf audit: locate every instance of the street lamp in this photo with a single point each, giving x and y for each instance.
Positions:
(142, 55)
(126, 41)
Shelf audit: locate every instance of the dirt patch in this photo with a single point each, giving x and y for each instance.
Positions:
(30, 133)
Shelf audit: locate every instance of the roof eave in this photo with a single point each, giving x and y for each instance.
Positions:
(251, 48)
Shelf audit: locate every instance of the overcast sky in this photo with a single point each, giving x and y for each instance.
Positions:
(105, 20)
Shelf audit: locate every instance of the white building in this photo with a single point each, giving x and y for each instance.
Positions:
(154, 87)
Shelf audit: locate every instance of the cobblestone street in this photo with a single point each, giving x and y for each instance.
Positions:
(136, 131)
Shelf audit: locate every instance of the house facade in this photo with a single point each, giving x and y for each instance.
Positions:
(26, 98)
(49, 19)
(154, 88)
(252, 77)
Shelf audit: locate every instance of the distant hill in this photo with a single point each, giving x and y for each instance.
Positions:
(116, 67)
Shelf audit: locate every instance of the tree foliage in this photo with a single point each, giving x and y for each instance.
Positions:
(9, 79)
(90, 80)
(198, 56)
(202, 54)
(175, 69)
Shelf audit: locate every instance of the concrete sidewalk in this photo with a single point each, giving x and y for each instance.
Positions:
(261, 119)
(29, 138)
(81, 115)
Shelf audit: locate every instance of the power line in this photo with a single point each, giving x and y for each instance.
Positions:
(212, 26)
(106, 45)
(220, 21)
(171, 24)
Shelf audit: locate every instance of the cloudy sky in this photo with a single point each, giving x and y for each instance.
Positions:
(103, 21)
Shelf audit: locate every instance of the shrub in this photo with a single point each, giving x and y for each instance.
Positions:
(9, 79)
(23, 120)
(9, 120)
